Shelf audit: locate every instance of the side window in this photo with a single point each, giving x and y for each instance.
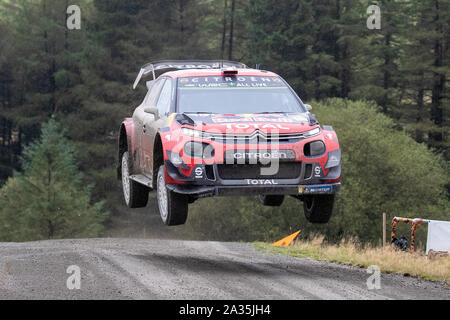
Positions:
(152, 95)
(165, 99)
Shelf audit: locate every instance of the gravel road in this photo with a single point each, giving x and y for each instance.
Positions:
(174, 269)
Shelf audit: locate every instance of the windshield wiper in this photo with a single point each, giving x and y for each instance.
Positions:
(201, 112)
(267, 112)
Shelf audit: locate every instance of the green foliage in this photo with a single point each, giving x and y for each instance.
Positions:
(383, 169)
(49, 199)
(322, 48)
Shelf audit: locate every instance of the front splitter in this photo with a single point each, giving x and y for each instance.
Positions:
(208, 191)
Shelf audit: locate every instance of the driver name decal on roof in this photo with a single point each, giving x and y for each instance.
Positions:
(249, 118)
(237, 118)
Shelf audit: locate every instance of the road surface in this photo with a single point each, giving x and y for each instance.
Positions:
(176, 269)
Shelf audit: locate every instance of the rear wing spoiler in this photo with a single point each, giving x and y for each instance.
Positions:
(152, 67)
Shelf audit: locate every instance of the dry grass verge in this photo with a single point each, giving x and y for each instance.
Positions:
(387, 259)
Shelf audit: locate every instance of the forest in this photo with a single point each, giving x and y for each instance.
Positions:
(385, 91)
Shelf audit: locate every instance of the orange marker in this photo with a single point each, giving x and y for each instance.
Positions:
(286, 241)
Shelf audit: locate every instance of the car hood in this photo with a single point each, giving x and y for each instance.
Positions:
(247, 123)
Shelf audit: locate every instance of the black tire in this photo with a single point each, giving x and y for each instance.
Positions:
(318, 208)
(137, 196)
(272, 200)
(173, 207)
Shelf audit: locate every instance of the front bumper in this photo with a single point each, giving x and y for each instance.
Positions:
(209, 191)
(207, 181)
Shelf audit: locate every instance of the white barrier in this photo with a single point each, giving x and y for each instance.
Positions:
(438, 238)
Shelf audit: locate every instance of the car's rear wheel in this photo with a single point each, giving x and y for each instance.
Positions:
(318, 208)
(272, 200)
(135, 194)
(173, 207)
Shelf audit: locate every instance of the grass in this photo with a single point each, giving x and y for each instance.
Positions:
(387, 259)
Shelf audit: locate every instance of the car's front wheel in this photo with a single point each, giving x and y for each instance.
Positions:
(173, 207)
(135, 194)
(318, 208)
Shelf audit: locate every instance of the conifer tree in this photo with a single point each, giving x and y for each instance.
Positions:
(49, 199)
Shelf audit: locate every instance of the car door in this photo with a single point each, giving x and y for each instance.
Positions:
(139, 118)
(163, 105)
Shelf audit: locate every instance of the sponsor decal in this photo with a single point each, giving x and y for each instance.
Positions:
(198, 172)
(261, 182)
(256, 126)
(314, 189)
(320, 189)
(267, 118)
(197, 65)
(317, 171)
(235, 82)
(275, 120)
(259, 154)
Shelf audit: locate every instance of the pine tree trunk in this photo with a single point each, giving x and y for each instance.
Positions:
(224, 29)
(230, 45)
(51, 229)
(181, 16)
(66, 31)
(419, 132)
(386, 72)
(52, 68)
(438, 79)
(345, 73)
(3, 132)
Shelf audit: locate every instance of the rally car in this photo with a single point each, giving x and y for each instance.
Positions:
(209, 128)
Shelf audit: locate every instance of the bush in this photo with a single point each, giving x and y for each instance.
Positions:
(383, 169)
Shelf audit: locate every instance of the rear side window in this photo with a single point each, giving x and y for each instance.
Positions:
(152, 96)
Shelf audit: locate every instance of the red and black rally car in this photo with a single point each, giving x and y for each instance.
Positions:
(210, 128)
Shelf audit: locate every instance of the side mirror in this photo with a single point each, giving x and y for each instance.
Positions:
(151, 110)
(308, 107)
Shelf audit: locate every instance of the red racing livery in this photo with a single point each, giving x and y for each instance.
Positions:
(211, 128)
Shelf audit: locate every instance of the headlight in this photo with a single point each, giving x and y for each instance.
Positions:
(311, 133)
(315, 148)
(200, 150)
(191, 132)
(175, 159)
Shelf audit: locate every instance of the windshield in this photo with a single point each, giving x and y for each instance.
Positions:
(241, 94)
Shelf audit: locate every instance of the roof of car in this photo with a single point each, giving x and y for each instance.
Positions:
(217, 72)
